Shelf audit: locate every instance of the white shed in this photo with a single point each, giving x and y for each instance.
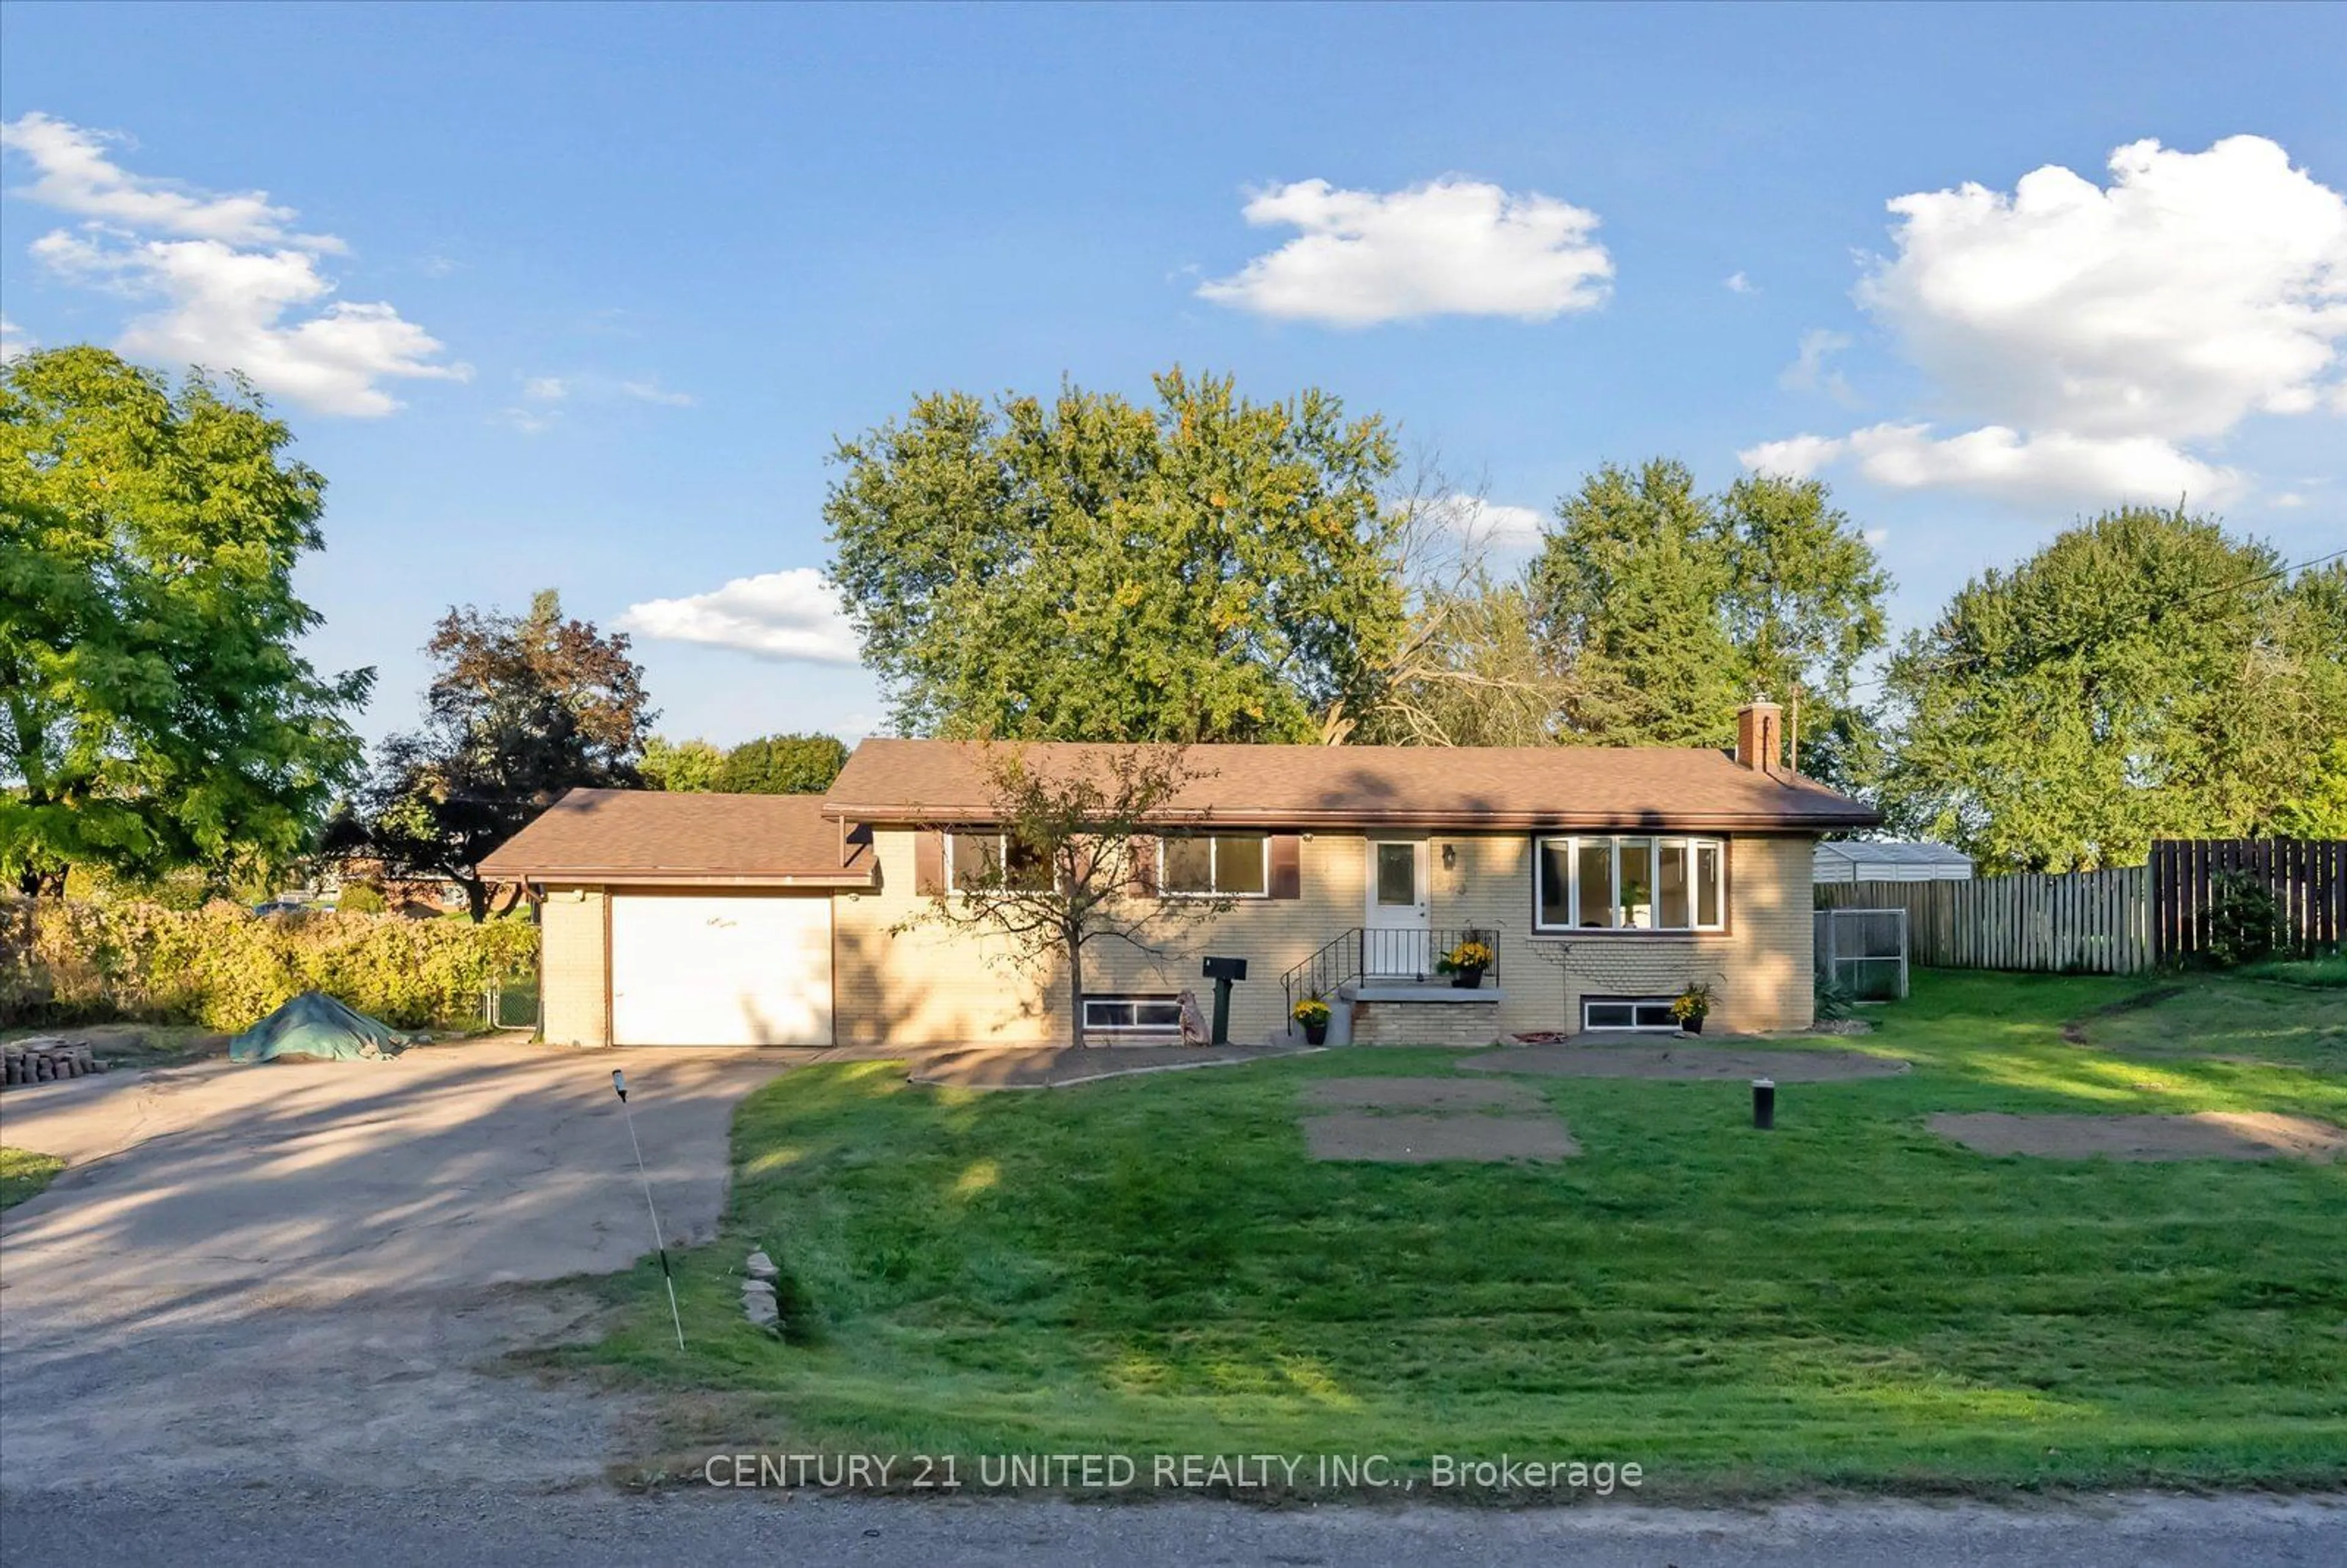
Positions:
(1886, 860)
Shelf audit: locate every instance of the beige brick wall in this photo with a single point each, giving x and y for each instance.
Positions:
(1425, 1023)
(931, 985)
(1758, 967)
(574, 993)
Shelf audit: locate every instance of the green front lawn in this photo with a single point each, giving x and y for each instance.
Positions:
(1151, 1265)
(24, 1174)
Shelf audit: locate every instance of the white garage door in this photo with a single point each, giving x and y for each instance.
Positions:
(721, 970)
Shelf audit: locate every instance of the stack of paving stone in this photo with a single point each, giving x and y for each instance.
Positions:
(44, 1060)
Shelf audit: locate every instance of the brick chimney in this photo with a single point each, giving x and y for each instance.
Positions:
(1761, 736)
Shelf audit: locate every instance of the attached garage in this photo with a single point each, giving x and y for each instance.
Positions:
(733, 968)
(685, 919)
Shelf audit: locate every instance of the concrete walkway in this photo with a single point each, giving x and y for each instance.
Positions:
(298, 1268)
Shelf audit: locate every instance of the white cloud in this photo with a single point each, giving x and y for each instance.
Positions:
(14, 341)
(651, 391)
(235, 289)
(1999, 461)
(1877, 537)
(1489, 522)
(2196, 289)
(592, 386)
(2290, 500)
(1737, 283)
(1796, 456)
(2095, 335)
(791, 614)
(1451, 246)
(1809, 371)
(76, 176)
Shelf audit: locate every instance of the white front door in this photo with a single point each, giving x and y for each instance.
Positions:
(1395, 939)
(720, 970)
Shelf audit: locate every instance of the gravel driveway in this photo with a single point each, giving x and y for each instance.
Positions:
(294, 1272)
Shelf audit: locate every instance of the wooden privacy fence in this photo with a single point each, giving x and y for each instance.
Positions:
(2308, 877)
(2079, 922)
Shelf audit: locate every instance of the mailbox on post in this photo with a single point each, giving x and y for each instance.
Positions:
(1223, 971)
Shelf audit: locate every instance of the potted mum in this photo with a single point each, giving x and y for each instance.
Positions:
(1312, 1014)
(1691, 1005)
(1465, 964)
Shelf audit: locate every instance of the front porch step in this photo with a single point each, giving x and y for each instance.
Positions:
(1419, 1012)
(1437, 993)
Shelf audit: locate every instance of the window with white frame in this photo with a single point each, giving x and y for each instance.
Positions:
(982, 862)
(1627, 1012)
(1133, 1015)
(1215, 865)
(1626, 882)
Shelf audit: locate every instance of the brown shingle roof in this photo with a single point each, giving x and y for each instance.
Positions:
(606, 836)
(1413, 786)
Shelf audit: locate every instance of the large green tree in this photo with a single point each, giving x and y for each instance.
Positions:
(1204, 569)
(771, 765)
(1804, 605)
(781, 764)
(1665, 608)
(1629, 587)
(520, 709)
(680, 767)
(158, 718)
(2145, 675)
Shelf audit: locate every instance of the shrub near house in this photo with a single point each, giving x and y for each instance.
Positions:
(223, 966)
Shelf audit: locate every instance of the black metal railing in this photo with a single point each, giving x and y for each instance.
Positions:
(1363, 954)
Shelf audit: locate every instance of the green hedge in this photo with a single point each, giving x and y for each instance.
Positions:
(224, 967)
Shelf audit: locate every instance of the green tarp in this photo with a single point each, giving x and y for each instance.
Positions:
(317, 1027)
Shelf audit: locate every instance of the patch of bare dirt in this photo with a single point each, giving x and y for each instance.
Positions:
(1425, 1139)
(1690, 1060)
(2205, 1135)
(1422, 1094)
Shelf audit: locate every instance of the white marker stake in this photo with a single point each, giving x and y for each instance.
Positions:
(619, 1087)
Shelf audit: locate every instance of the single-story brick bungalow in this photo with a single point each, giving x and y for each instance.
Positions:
(1604, 879)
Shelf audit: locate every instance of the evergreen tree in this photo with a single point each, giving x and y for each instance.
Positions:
(1630, 588)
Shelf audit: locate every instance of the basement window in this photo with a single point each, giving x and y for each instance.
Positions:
(1627, 1012)
(1133, 1015)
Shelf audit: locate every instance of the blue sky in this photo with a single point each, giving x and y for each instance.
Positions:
(625, 273)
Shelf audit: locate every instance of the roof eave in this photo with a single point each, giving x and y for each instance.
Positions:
(661, 877)
(1807, 822)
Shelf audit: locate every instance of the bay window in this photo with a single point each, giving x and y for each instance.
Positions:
(1628, 883)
